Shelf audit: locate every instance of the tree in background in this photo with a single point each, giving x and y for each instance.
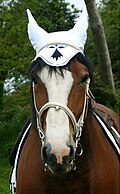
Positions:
(110, 16)
(101, 45)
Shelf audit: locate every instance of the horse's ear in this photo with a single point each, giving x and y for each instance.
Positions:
(76, 36)
(36, 34)
(80, 28)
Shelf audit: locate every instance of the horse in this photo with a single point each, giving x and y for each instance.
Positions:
(96, 168)
(67, 151)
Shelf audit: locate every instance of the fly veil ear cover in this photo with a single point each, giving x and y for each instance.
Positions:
(57, 48)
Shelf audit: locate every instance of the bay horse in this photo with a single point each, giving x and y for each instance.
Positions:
(67, 151)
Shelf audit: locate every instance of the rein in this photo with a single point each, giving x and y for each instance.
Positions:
(77, 125)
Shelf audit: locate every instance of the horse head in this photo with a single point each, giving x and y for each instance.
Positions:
(60, 87)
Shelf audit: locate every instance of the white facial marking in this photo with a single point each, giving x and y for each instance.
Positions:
(57, 122)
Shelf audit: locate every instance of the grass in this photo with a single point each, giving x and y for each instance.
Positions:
(4, 171)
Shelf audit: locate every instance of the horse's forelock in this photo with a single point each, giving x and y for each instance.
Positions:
(37, 66)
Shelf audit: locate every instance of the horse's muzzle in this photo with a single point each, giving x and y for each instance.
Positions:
(51, 163)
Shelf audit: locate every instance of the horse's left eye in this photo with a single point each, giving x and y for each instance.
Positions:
(34, 80)
(84, 78)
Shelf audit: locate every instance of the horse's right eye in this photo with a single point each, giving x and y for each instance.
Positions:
(84, 78)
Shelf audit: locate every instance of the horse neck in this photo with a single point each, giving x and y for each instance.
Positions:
(87, 133)
(87, 141)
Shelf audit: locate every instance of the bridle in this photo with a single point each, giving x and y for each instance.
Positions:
(77, 125)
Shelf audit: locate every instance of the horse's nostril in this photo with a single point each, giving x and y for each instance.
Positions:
(67, 159)
(72, 152)
(46, 152)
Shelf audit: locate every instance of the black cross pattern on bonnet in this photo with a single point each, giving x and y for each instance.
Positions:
(57, 53)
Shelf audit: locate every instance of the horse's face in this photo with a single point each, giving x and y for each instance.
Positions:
(59, 146)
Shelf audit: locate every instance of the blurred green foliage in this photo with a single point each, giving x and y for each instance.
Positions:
(109, 11)
(15, 112)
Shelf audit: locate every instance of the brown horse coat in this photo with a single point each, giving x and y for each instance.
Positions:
(97, 169)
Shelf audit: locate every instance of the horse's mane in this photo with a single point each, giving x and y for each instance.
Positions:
(38, 64)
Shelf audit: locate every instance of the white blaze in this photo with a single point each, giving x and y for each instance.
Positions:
(57, 122)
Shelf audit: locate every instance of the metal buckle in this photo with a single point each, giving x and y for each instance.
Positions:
(79, 149)
(41, 134)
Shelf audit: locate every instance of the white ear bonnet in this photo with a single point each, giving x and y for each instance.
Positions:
(57, 48)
